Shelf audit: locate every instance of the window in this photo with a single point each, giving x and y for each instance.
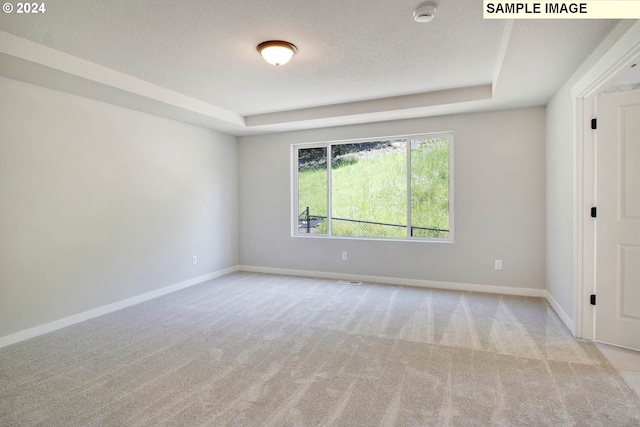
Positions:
(393, 188)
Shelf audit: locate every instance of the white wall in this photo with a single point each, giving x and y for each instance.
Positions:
(559, 203)
(499, 205)
(99, 203)
(561, 181)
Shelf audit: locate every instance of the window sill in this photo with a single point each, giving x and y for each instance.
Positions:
(376, 239)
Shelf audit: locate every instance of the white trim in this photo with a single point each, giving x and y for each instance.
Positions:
(615, 345)
(560, 312)
(503, 290)
(377, 239)
(587, 231)
(294, 190)
(608, 67)
(407, 235)
(578, 220)
(329, 148)
(96, 312)
(452, 191)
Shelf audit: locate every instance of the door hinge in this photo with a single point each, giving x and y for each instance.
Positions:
(593, 299)
(594, 212)
(594, 123)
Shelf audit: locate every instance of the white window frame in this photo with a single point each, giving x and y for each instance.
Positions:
(327, 144)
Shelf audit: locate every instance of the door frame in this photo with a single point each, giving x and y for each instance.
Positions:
(610, 65)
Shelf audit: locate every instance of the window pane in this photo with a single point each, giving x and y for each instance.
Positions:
(430, 187)
(369, 189)
(312, 190)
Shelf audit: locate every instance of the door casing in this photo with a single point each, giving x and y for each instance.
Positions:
(612, 64)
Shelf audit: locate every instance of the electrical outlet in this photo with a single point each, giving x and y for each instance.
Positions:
(195, 259)
(344, 255)
(498, 264)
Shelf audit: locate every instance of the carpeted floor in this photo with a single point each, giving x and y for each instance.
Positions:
(261, 350)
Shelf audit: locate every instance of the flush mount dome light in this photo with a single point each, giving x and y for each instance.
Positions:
(424, 13)
(277, 52)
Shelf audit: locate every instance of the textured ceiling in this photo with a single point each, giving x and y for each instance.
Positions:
(358, 50)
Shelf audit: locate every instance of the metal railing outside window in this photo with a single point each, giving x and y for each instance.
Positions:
(311, 224)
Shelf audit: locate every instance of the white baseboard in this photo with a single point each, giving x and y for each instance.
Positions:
(81, 317)
(561, 313)
(529, 292)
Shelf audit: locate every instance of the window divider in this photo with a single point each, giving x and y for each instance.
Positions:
(408, 148)
(329, 173)
(296, 188)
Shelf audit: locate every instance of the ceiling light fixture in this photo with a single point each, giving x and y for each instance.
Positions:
(277, 52)
(424, 13)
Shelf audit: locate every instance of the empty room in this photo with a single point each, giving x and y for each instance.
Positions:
(295, 213)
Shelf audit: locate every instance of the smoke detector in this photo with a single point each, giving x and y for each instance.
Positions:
(424, 13)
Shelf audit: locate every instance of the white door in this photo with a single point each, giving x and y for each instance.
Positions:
(618, 219)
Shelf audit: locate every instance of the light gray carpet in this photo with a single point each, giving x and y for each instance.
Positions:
(261, 350)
